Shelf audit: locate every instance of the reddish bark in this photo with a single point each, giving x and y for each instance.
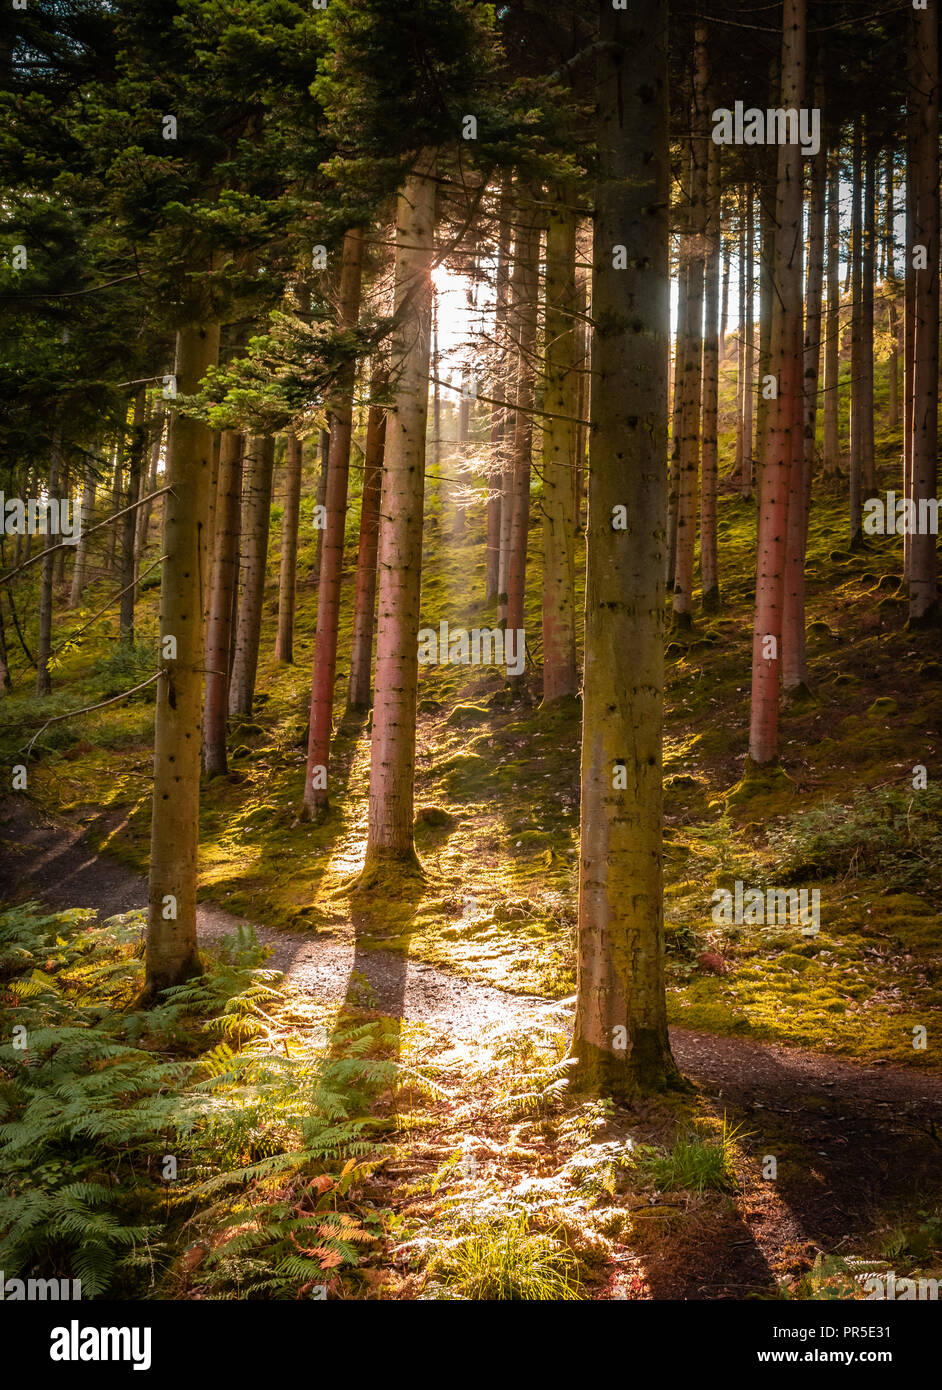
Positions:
(392, 749)
(225, 578)
(709, 570)
(364, 606)
(784, 432)
(528, 252)
(256, 519)
(923, 582)
(328, 593)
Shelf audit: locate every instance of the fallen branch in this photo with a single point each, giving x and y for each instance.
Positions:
(111, 602)
(50, 549)
(73, 714)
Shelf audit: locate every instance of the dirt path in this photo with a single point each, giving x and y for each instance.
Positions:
(850, 1139)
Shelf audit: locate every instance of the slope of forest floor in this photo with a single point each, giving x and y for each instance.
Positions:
(668, 1201)
(482, 1138)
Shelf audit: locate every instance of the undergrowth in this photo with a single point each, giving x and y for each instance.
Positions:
(212, 1144)
(896, 833)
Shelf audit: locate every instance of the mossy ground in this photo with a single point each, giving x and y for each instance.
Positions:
(497, 796)
(497, 788)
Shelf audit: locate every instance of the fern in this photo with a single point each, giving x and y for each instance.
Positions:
(269, 1143)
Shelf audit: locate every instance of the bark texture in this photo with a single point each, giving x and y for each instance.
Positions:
(171, 953)
(328, 590)
(225, 582)
(256, 517)
(392, 752)
(923, 581)
(620, 1041)
(288, 571)
(784, 447)
(364, 604)
(561, 399)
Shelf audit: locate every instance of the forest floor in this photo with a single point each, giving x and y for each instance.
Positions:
(820, 1051)
(852, 1142)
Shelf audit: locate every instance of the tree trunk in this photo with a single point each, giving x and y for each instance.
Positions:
(909, 307)
(320, 493)
(460, 491)
(364, 607)
(164, 426)
(129, 520)
(522, 424)
(794, 645)
(171, 956)
(676, 443)
(620, 1041)
(436, 461)
(225, 580)
(61, 554)
(584, 367)
(693, 340)
(766, 295)
(709, 567)
(784, 433)
(328, 591)
(725, 252)
(749, 377)
(923, 584)
(44, 641)
(856, 342)
(741, 348)
(868, 474)
(256, 517)
(498, 413)
(116, 494)
(148, 485)
(288, 572)
(80, 567)
(6, 684)
(561, 397)
(889, 286)
(832, 333)
(392, 752)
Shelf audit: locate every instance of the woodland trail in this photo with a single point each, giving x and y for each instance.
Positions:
(854, 1136)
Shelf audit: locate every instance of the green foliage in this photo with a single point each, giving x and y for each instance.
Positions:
(501, 1258)
(267, 1137)
(894, 833)
(693, 1163)
(916, 1239)
(831, 1277)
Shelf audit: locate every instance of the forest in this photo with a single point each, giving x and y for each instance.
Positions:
(470, 665)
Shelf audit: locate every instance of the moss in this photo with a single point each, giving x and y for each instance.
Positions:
(883, 707)
(768, 784)
(508, 771)
(467, 714)
(435, 816)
